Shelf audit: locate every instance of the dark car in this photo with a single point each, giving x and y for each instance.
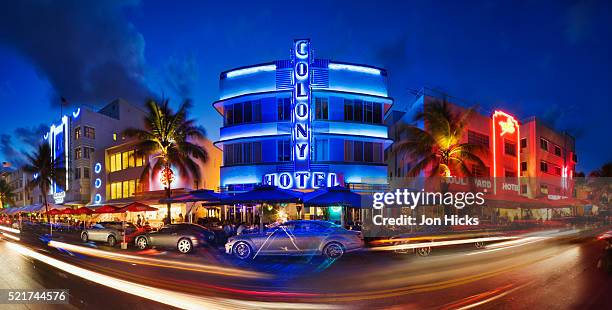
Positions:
(183, 237)
(297, 238)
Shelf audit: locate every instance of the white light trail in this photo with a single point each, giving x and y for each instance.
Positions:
(407, 246)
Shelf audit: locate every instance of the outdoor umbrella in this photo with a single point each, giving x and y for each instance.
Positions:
(68, 211)
(54, 212)
(83, 210)
(136, 207)
(106, 209)
(195, 196)
(333, 196)
(264, 193)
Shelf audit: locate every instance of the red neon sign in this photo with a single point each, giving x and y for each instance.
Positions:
(505, 126)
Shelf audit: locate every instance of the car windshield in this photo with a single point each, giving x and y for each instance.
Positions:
(97, 226)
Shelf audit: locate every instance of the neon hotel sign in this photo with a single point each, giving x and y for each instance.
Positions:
(301, 131)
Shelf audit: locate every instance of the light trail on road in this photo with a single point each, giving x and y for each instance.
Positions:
(171, 298)
(165, 263)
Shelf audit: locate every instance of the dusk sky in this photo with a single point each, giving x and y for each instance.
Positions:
(548, 59)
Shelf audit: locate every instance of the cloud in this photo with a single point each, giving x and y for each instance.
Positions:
(31, 135)
(181, 75)
(89, 53)
(10, 152)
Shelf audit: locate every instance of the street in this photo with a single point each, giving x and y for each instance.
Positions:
(553, 270)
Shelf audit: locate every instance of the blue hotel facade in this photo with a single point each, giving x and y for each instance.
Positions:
(303, 123)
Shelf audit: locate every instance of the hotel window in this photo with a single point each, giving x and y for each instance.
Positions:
(358, 109)
(544, 144)
(283, 106)
(321, 108)
(90, 132)
(77, 173)
(348, 110)
(557, 170)
(114, 136)
(358, 150)
(557, 151)
(524, 166)
(139, 159)
(543, 166)
(77, 133)
(248, 112)
(228, 154)
(544, 189)
(477, 138)
(510, 148)
(523, 143)
(78, 153)
(479, 171)
(509, 174)
(348, 150)
(229, 114)
(238, 153)
(88, 152)
(131, 159)
(321, 149)
(378, 115)
(368, 112)
(124, 160)
(283, 150)
(378, 153)
(257, 152)
(85, 172)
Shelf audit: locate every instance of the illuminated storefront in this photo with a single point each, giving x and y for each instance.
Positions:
(303, 123)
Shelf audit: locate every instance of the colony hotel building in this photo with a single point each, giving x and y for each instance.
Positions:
(303, 123)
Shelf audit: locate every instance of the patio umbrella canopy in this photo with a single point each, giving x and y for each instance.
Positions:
(195, 196)
(83, 210)
(68, 211)
(264, 193)
(136, 207)
(333, 196)
(54, 212)
(106, 209)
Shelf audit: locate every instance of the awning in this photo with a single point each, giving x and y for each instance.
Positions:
(264, 194)
(136, 207)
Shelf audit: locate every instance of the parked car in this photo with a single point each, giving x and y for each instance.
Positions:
(109, 232)
(299, 237)
(183, 237)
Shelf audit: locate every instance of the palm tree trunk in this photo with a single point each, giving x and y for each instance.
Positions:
(169, 204)
(47, 213)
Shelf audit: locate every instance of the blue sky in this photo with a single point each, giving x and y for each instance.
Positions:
(544, 58)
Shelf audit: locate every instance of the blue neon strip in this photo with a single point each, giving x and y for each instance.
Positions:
(353, 68)
(251, 70)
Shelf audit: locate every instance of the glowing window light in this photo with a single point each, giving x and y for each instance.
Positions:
(354, 68)
(251, 70)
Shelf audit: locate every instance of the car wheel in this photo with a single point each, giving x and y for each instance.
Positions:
(141, 243)
(333, 250)
(84, 237)
(184, 246)
(111, 241)
(242, 250)
(479, 245)
(423, 251)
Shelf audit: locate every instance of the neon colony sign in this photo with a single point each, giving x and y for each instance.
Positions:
(301, 133)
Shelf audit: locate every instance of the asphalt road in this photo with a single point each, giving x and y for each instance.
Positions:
(552, 272)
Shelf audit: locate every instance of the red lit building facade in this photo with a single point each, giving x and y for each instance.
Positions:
(528, 166)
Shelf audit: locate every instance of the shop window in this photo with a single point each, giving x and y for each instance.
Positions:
(321, 108)
(523, 143)
(509, 148)
(543, 166)
(544, 144)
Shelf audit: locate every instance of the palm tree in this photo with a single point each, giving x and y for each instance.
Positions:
(46, 171)
(6, 194)
(438, 146)
(169, 137)
(599, 181)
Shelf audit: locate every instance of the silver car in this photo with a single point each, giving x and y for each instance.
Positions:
(109, 232)
(183, 237)
(299, 237)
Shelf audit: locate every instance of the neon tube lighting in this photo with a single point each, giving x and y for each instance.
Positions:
(251, 70)
(354, 68)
